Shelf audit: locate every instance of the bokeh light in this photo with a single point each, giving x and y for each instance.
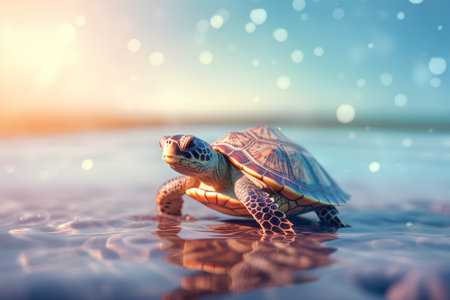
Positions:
(283, 82)
(299, 5)
(133, 58)
(157, 58)
(319, 51)
(280, 35)
(87, 164)
(134, 45)
(437, 65)
(407, 142)
(250, 27)
(435, 82)
(206, 57)
(361, 82)
(400, 15)
(297, 56)
(374, 167)
(338, 14)
(258, 16)
(345, 113)
(400, 100)
(216, 21)
(386, 79)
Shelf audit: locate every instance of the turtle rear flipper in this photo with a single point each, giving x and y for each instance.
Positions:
(329, 215)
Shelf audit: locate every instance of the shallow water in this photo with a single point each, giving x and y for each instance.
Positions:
(78, 221)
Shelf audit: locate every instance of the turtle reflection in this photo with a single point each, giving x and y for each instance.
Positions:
(244, 260)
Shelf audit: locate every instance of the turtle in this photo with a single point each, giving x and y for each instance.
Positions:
(256, 172)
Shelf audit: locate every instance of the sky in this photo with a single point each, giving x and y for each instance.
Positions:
(348, 62)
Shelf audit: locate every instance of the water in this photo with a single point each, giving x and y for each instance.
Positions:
(78, 230)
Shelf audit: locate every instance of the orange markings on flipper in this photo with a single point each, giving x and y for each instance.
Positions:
(242, 212)
(234, 203)
(198, 194)
(222, 199)
(190, 192)
(211, 197)
(219, 202)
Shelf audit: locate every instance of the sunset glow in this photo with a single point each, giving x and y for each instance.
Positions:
(145, 62)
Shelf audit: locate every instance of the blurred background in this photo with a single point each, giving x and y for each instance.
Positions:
(362, 84)
(78, 65)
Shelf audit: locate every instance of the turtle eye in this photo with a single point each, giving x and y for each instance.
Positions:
(187, 142)
(190, 143)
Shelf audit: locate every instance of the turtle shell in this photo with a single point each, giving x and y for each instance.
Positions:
(284, 166)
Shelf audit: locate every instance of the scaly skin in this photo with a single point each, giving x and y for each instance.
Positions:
(329, 215)
(213, 173)
(262, 208)
(169, 198)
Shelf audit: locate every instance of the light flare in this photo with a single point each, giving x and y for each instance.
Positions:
(38, 53)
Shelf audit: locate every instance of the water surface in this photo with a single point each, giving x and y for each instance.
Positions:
(78, 221)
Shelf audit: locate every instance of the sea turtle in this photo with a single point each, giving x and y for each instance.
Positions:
(257, 173)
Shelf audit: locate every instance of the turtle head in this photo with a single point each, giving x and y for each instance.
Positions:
(188, 155)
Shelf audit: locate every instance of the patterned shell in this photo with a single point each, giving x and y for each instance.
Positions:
(286, 167)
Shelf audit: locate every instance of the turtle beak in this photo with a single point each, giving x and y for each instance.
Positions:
(171, 159)
(162, 141)
(170, 150)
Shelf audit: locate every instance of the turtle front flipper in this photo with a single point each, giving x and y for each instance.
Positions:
(329, 215)
(169, 198)
(263, 209)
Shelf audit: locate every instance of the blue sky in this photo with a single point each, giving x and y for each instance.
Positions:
(361, 60)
